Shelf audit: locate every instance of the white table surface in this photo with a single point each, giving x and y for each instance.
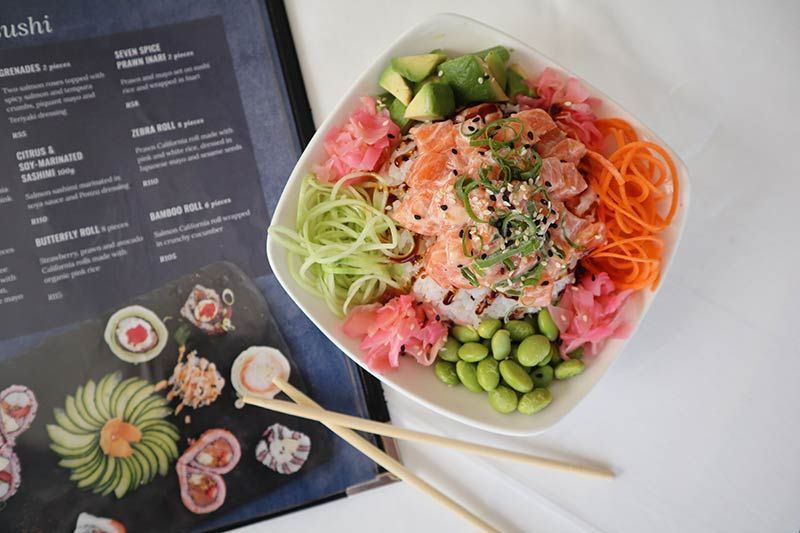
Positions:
(701, 414)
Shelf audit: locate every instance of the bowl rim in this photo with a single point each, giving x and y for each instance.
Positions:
(303, 165)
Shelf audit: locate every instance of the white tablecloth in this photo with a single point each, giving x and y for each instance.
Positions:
(701, 414)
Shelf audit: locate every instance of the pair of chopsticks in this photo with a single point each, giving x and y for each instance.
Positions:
(343, 425)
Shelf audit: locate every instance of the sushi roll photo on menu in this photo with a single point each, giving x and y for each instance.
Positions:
(144, 147)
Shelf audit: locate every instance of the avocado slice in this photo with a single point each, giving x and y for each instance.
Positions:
(471, 80)
(434, 101)
(494, 60)
(393, 82)
(397, 112)
(500, 51)
(516, 82)
(429, 79)
(417, 68)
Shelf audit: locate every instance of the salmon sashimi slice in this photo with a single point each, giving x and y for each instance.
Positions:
(429, 210)
(536, 122)
(444, 259)
(561, 179)
(434, 136)
(429, 169)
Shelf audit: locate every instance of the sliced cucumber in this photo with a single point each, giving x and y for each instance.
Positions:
(119, 405)
(116, 472)
(70, 441)
(149, 403)
(154, 413)
(71, 409)
(150, 457)
(108, 475)
(135, 400)
(86, 469)
(137, 472)
(124, 481)
(89, 404)
(165, 441)
(104, 391)
(90, 480)
(161, 456)
(160, 425)
(74, 463)
(69, 452)
(119, 389)
(146, 469)
(66, 422)
(81, 408)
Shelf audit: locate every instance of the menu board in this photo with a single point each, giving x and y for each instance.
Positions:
(142, 148)
(126, 157)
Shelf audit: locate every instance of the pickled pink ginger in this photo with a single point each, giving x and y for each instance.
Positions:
(401, 326)
(589, 313)
(362, 144)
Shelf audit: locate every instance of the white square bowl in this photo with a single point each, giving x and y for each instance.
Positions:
(456, 35)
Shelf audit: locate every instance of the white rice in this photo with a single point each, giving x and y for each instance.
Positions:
(464, 305)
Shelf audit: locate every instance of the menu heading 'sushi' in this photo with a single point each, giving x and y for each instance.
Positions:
(29, 26)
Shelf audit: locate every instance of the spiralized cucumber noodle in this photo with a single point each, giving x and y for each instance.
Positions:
(345, 247)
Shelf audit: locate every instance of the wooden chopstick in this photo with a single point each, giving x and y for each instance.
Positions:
(374, 453)
(379, 428)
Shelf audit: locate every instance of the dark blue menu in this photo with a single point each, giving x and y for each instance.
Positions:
(126, 162)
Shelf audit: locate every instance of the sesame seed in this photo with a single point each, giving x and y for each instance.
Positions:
(548, 183)
(454, 151)
(530, 135)
(461, 233)
(476, 119)
(438, 318)
(406, 157)
(417, 217)
(480, 81)
(455, 172)
(545, 283)
(470, 128)
(390, 136)
(440, 73)
(567, 103)
(492, 197)
(443, 207)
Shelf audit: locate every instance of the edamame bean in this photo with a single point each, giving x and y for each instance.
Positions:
(501, 344)
(446, 372)
(502, 399)
(547, 325)
(552, 354)
(449, 352)
(570, 368)
(515, 376)
(532, 350)
(546, 359)
(520, 329)
(472, 352)
(464, 334)
(467, 374)
(534, 401)
(488, 374)
(542, 376)
(488, 327)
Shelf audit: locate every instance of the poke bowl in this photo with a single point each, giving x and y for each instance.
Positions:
(574, 261)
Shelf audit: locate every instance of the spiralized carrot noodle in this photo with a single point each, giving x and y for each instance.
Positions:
(638, 192)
